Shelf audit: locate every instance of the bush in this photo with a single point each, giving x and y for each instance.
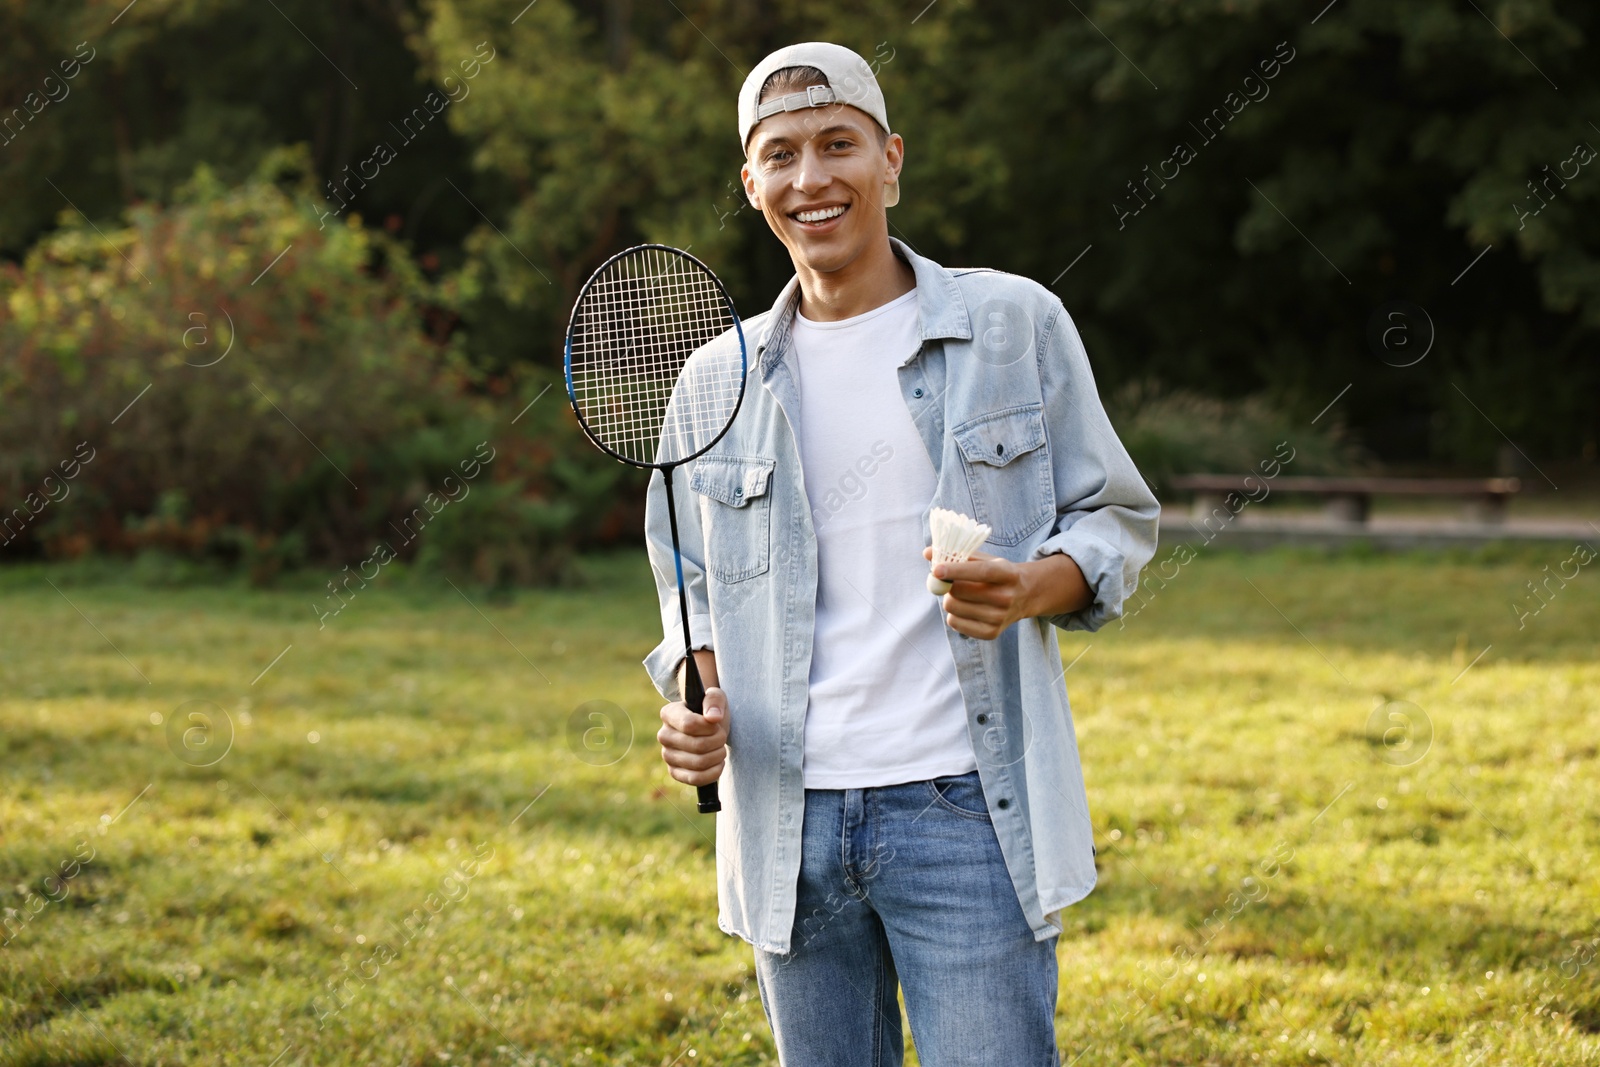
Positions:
(223, 378)
(1179, 432)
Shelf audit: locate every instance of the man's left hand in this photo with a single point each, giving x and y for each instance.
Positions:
(988, 593)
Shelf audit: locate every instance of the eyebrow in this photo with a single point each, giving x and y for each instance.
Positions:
(779, 139)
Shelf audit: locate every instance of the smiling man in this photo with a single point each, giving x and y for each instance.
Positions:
(903, 805)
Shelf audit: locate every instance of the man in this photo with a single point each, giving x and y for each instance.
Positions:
(902, 799)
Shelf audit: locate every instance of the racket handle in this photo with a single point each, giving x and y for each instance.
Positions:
(694, 697)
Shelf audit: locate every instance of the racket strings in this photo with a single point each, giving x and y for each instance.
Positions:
(633, 381)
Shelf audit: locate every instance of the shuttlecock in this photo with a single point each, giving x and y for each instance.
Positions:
(954, 538)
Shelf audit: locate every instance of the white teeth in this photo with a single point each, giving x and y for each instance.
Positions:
(818, 216)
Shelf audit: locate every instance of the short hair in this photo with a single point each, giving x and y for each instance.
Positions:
(788, 80)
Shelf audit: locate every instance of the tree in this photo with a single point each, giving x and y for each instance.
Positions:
(170, 84)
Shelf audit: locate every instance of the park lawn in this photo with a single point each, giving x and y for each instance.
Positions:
(473, 864)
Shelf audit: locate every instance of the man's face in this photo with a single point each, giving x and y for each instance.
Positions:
(817, 175)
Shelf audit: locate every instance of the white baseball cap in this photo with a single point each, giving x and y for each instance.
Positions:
(850, 81)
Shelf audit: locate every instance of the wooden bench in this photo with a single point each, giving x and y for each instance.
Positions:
(1349, 499)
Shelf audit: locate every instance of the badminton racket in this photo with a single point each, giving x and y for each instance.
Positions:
(655, 366)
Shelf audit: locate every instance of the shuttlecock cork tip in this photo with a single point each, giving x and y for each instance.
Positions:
(955, 538)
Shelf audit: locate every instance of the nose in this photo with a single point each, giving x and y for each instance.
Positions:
(810, 175)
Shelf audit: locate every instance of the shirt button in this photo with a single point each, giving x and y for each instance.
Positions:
(982, 719)
(738, 492)
(1002, 803)
(917, 392)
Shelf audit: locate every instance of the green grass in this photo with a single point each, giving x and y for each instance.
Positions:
(1278, 884)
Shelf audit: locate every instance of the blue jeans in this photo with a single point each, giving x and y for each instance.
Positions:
(905, 885)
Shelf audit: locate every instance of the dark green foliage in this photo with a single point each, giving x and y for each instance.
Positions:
(1386, 150)
(422, 307)
(176, 83)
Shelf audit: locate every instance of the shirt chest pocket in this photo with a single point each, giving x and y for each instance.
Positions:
(1008, 471)
(736, 513)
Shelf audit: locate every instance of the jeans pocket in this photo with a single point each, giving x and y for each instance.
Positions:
(737, 515)
(961, 794)
(1007, 463)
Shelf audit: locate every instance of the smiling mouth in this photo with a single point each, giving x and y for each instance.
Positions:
(820, 215)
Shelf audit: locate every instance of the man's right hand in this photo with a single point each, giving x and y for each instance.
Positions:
(694, 746)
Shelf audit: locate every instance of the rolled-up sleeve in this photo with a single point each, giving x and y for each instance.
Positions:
(1106, 515)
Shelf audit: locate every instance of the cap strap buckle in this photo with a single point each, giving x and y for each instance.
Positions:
(814, 96)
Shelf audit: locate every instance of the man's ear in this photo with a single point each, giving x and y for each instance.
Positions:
(751, 190)
(895, 149)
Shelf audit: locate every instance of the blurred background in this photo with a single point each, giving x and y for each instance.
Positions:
(308, 757)
(1247, 212)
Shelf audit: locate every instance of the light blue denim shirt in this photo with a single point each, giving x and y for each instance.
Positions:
(1003, 398)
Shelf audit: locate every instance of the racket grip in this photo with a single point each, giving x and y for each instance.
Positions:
(694, 697)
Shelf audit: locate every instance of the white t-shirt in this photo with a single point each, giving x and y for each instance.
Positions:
(884, 706)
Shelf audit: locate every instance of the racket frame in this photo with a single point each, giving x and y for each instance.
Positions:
(744, 359)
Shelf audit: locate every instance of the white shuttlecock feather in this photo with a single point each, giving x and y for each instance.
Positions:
(955, 536)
